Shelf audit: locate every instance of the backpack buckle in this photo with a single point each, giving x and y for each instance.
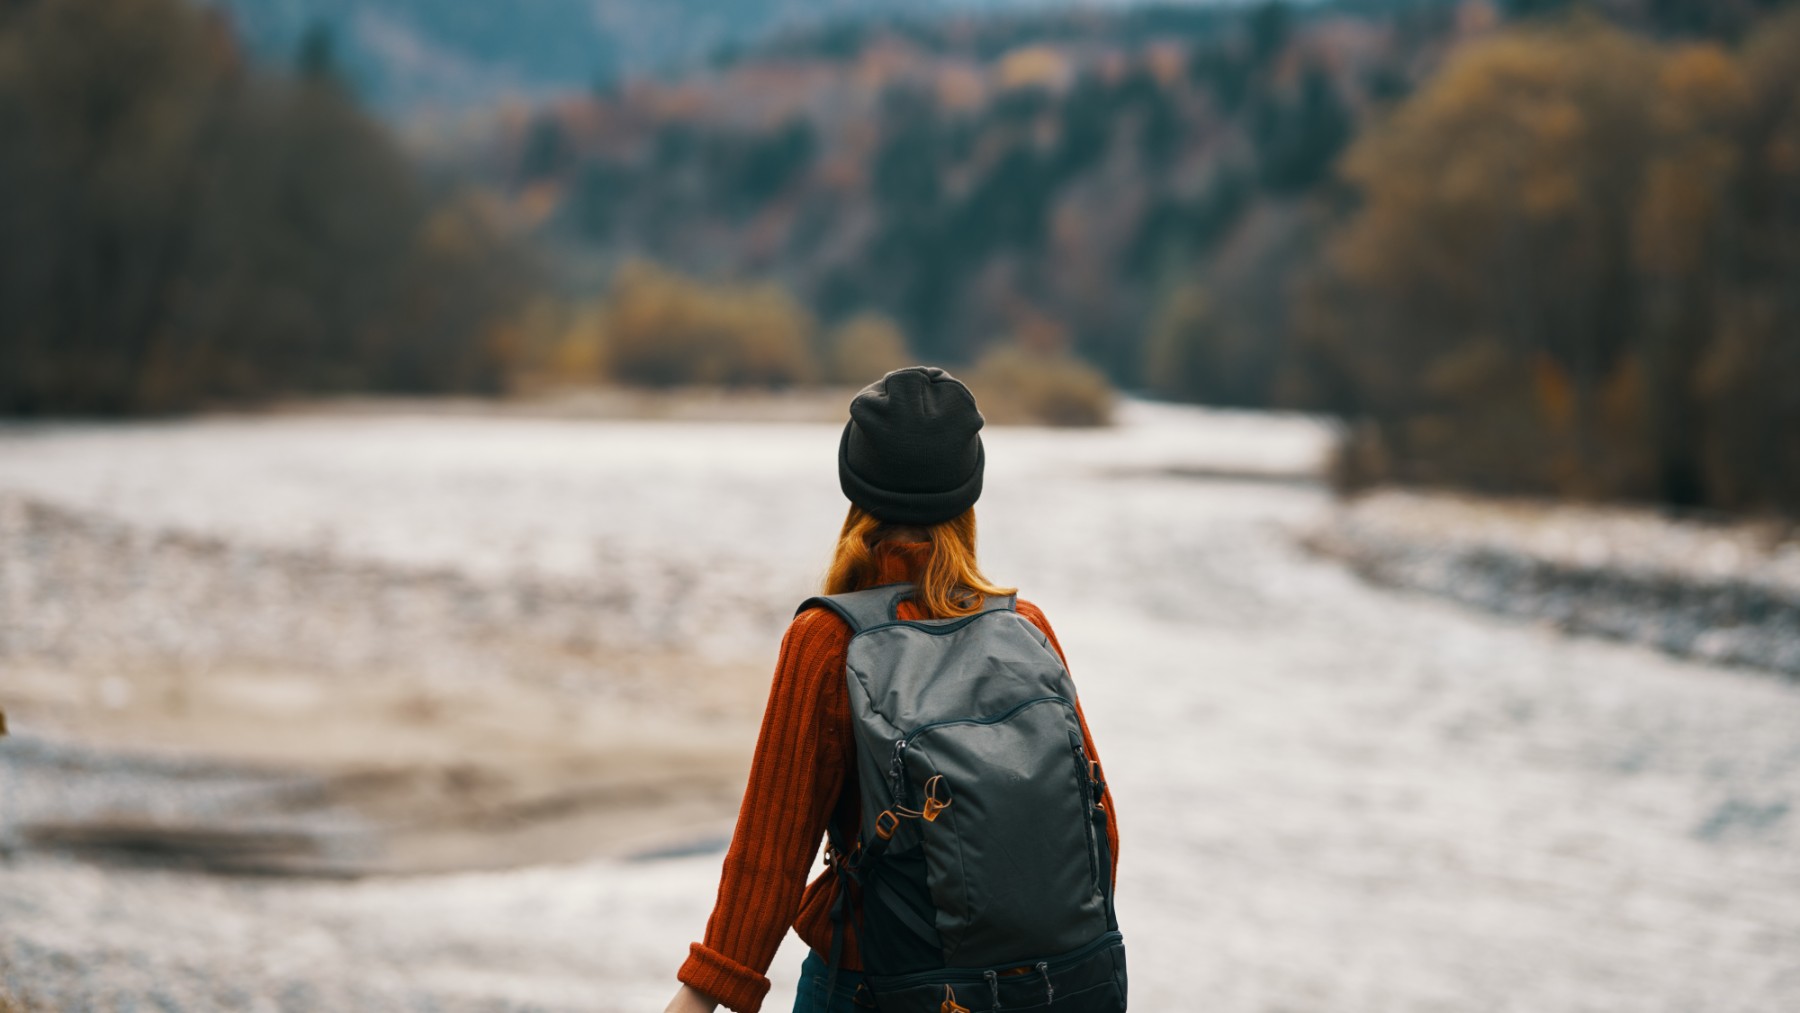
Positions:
(842, 861)
(886, 824)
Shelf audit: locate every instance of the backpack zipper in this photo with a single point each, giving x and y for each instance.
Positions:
(989, 720)
(1087, 798)
(897, 771)
(897, 765)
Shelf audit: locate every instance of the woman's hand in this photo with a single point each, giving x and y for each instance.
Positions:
(690, 1000)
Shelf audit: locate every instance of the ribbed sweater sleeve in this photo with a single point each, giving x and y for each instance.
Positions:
(796, 773)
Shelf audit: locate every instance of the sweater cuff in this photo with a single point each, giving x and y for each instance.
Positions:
(735, 986)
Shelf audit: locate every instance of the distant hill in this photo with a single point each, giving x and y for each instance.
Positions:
(1041, 177)
(405, 54)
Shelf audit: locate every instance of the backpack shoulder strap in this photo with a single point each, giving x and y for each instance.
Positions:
(877, 605)
(1000, 603)
(863, 609)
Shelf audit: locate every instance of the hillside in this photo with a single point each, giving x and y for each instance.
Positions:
(1031, 179)
(402, 55)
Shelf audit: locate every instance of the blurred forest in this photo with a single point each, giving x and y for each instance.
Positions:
(1541, 246)
(1575, 268)
(414, 58)
(1531, 247)
(176, 226)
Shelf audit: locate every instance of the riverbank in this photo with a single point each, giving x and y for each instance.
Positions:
(187, 701)
(594, 403)
(1022, 400)
(1723, 592)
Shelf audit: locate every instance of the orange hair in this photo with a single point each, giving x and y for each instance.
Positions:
(951, 584)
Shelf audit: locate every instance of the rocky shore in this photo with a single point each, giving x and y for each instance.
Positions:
(1722, 592)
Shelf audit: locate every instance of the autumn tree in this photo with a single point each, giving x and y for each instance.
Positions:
(176, 227)
(864, 348)
(1565, 276)
(1750, 456)
(664, 329)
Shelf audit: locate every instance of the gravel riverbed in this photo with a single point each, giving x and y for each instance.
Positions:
(1333, 796)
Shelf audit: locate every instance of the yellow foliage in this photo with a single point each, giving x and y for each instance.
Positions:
(1549, 193)
(451, 232)
(1558, 122)
(1622, 401)
(1527, 123)
(1784, 155)
(1679, 203)
(539, 201)
(1015, 385)
(1701, 95)
(580, 351)
(865, 348)
(1033, 66)
(1167, 62)
(1628, 465)
(960, 88)
(1703, 83)
(1621, 207)
(663, 329)
(1555, 394)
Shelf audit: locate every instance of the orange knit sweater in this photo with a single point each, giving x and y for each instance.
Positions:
(802, 772)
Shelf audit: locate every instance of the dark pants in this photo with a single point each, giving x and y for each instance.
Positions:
(814, 974)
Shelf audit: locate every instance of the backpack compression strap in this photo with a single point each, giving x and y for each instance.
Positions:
(876, 606)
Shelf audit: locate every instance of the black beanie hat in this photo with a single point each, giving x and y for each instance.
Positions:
(911, 452)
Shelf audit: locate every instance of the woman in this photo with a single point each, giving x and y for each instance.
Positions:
(910, 462)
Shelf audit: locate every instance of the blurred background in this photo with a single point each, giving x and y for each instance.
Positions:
(418, 422)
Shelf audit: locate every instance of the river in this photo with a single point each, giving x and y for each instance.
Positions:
(1331, 796)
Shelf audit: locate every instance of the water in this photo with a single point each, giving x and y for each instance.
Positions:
(1330, 796)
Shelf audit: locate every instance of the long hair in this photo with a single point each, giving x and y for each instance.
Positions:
(951, 584)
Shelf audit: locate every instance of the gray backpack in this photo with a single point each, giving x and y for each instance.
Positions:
(981, 855)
